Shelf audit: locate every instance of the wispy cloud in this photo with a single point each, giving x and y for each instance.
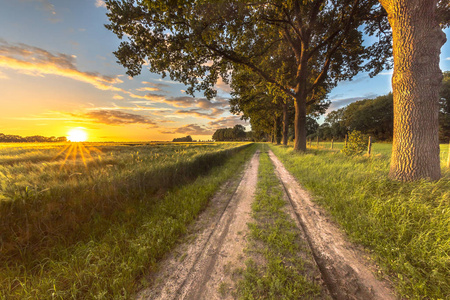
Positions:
(100, 3)
(45, 4)
(225, 87)
(191, 129)
(39, 62)
(204, 103)
(158, 85)
(148, 89)
(212, 114)
(117, 117)
(339, 103)
(448, 58)
(117, 97)
(225, 122)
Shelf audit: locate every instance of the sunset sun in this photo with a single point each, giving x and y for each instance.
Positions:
(77, 135)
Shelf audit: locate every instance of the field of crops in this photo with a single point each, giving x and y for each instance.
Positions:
(57, 199)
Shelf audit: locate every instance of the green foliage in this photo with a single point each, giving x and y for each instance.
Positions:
(285, 268)
(357, 143)
(374, 117)
(297, 49)
(237, 133)
(182, 139)
(113, 218)
(5, 138)
(405, 225)
(444, 109)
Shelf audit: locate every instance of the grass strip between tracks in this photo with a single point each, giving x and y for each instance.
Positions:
(115, 266)
(406, 225)
(281, 264)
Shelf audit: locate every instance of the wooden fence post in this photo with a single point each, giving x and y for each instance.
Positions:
(369, 147)
(332, 141)
(448, 160)
(317, 142)
(346, 139)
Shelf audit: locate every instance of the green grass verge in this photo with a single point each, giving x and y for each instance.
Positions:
(281, 264)
(114, 265)
(406, 225)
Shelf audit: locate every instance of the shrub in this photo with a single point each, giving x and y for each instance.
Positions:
(357, 143)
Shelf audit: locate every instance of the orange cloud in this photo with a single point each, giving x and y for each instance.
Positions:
(39, 62)
(148, 89)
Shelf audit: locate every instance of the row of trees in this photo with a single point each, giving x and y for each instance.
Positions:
(182, 139)
(290, 54)
(375, 117)
(237, 133)
(5, 138)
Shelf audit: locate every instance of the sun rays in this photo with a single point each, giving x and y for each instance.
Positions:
(76, 152)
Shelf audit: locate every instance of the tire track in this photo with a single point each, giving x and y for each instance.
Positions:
(346, 271)
(217, 249)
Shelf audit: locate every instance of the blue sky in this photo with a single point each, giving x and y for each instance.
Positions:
(57, 72)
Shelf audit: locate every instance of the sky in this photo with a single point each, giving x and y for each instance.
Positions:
(58, 72)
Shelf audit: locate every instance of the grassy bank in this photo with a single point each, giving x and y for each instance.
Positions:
(405, 225)
(281, 264)
(135, 214)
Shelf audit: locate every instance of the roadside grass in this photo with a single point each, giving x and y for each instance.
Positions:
(281, 264)
(109, 256)
(54, 202)
(378, 149)
(406, 225)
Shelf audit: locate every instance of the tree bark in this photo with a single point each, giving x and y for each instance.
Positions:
(417, 40)
(275, 130)
(300, 123)
(285, 123)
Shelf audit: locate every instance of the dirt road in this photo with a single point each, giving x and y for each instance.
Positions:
(201, 267)
(206, 263)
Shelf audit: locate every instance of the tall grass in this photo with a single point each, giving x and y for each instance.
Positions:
(93, 235)
(405, 225)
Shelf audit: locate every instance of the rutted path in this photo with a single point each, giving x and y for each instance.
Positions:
(203, 268)
(206, 264)
(347, 274)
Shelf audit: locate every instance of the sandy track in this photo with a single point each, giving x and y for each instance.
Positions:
(200, 269)
(346, 271)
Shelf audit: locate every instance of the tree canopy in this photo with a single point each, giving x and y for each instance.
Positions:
(195, 42)
(237, 133)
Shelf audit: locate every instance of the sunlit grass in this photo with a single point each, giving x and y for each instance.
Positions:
(72, 218)
(405, 225)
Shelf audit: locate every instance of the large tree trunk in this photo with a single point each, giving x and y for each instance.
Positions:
(285, 123)
(300, 123)
(417, 40)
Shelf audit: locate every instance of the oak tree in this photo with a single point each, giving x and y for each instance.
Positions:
(197, 41)
(417, 40)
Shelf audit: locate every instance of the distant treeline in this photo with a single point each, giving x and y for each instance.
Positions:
(183, 139)
(375, 117)
(237, 133)
(6, 138)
